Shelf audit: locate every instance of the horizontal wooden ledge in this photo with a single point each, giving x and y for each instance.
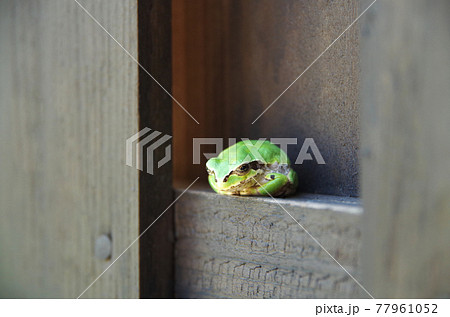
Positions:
(248, 247)
(350, 205)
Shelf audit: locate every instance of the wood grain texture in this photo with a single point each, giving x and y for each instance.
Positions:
(248, 247)
(68, 101)
(406, 148)
(233, 58)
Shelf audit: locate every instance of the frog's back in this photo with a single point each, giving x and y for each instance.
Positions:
(245, 151)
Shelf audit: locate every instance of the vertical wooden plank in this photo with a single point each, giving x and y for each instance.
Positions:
(406, 148)
(68, 101)
(238, 56)
(155, 112)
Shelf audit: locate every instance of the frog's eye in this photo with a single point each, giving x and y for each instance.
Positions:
(244, 168)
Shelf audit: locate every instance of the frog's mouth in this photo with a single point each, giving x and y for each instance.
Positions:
(256, 166)
(243, 185)
(257, 180)
(254, 181)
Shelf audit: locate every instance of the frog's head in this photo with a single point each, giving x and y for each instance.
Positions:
(236, 167)
(225, 177)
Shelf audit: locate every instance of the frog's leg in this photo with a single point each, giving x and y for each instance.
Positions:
(293, 178)
(212, 182)
(276, 181)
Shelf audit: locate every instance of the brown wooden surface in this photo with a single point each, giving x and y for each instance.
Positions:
(406, 148)
(68, 101)
(155, 112)
(233, 58)
(249, 247)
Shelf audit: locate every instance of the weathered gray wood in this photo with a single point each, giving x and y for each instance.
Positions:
(68, 101)
(406, 148)
(248, 247)
(233, 58)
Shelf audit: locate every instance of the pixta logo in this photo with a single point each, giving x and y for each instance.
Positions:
(143, 141)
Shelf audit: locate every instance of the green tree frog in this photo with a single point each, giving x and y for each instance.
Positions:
(252, 167)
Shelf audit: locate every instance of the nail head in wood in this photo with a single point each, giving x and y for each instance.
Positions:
(103, 247)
